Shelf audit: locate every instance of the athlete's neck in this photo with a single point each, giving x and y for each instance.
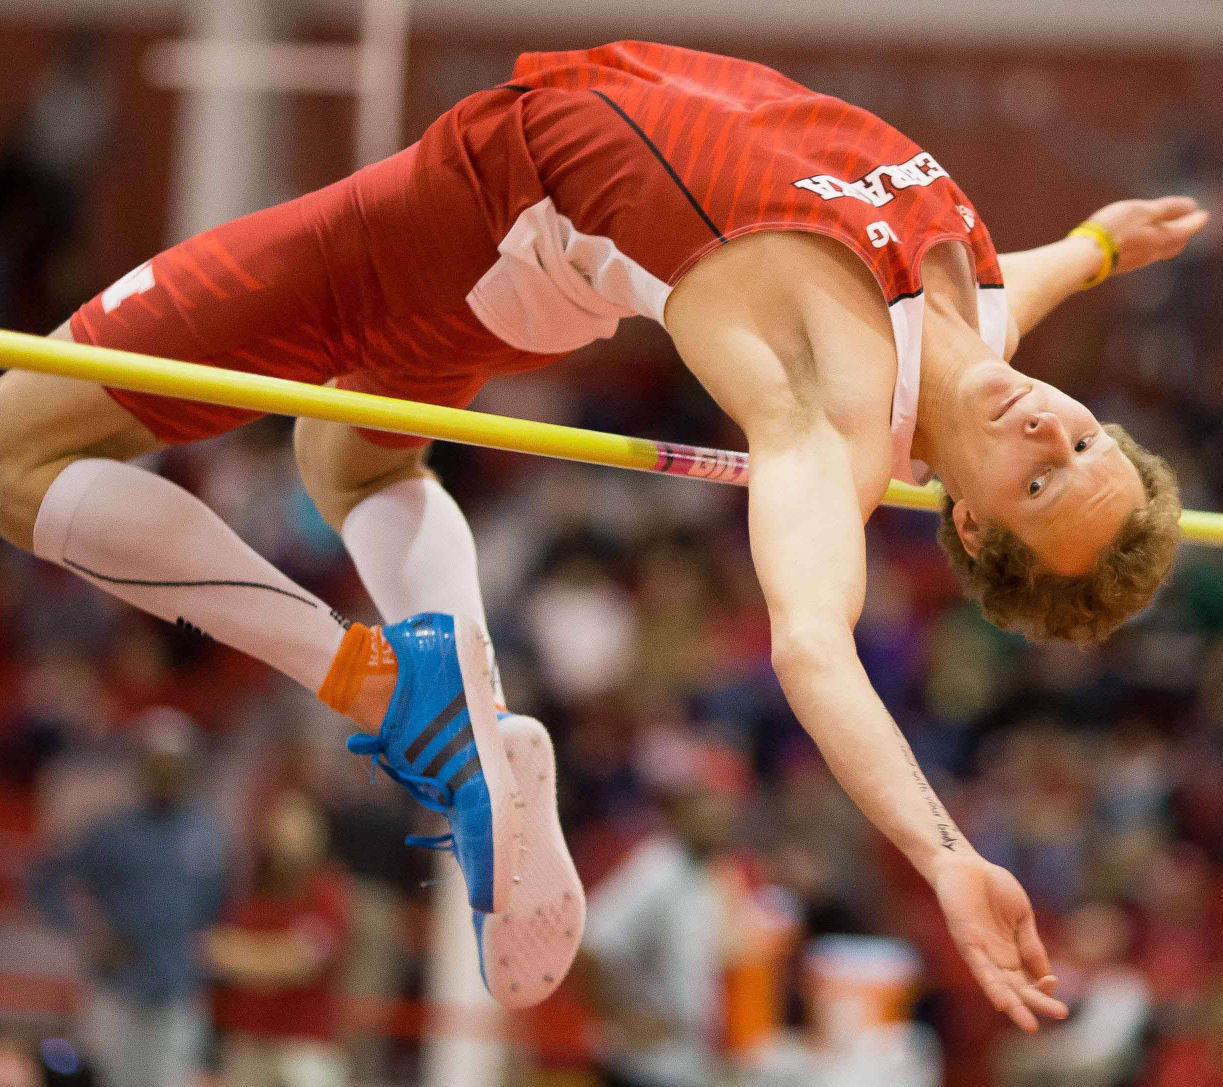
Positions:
(950, 345)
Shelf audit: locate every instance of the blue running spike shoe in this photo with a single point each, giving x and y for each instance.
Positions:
(441, 742)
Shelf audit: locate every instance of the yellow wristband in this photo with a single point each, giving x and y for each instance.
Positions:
(1102, 237)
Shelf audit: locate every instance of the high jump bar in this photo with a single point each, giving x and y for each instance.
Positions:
(278, 396)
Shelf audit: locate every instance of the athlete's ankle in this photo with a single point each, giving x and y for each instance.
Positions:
(362, 677)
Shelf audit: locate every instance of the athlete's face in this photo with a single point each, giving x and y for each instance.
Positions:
(1038, 462)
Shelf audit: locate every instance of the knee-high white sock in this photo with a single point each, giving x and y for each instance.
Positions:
(414, 551)
(149, 542)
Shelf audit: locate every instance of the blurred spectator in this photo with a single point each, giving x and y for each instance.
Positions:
(1201, 759)
(1100, 1045)
(277, 958)
(661, 931)
(136, 889)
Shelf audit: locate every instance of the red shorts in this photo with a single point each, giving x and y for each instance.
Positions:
(363, 283)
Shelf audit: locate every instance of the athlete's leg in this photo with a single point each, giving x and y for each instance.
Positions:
(66, 495)
(152, 544)
(407, 575)
(407, 537)
(414, 551)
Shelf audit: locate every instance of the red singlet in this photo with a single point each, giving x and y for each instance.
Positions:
(529, 220)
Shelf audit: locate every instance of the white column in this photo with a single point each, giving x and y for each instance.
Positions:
(224, 135)
(452, 979)
(381, 78)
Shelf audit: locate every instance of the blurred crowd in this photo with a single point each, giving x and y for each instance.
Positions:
(193, 871)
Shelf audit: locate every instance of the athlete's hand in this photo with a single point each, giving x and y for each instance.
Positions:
(991, 921)
(1149, 230)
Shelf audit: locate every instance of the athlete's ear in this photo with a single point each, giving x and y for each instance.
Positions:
(970, 530)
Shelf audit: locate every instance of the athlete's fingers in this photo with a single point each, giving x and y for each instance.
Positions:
(1047, 984)
(1000, 994)
(1173, 207)
(1022, 1017)
(1031, 951)
(1043, 1004)
(989, 978)
(1187, 225)
(1174, 234)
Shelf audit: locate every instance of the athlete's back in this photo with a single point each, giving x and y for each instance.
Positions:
(664, 155)
(750, 150)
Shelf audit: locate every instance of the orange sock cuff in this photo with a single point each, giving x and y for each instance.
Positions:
(363, 653)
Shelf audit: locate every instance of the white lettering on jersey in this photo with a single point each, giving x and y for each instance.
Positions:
(137, 281)
(921, 170)
(880, 234)
(970, 220)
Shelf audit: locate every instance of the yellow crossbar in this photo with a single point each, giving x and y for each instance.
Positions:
(254, 392)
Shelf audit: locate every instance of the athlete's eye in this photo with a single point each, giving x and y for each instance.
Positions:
(1036, 486)
(1082, 444)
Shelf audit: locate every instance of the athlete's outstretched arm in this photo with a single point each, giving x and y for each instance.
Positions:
(767, 324)
(808, 546)
(1039, 280)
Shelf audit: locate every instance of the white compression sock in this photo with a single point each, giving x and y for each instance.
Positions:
(414, 551)
(149, 542)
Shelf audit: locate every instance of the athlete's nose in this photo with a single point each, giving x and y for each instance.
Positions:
(1046, 426)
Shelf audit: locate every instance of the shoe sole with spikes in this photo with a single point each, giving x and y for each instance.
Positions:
(528, 948)
(504, 795)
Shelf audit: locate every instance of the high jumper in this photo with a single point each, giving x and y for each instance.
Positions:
(822, 276)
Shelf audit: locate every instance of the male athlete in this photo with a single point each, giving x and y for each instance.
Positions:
(823, 277)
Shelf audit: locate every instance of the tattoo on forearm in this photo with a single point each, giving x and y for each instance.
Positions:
(949, 833)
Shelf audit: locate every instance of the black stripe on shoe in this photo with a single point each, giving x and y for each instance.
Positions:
(434, 729)
(459, 741)
(465, 773)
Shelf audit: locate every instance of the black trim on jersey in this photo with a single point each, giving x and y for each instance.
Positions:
(917, 293)
(666, 165)
(514, 87)
(186, 584)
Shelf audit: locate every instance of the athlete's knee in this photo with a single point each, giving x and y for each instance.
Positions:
(22, 490)
(337, 496)
(340, 469)
(46, 423)
(38, 440)
(24, 478)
